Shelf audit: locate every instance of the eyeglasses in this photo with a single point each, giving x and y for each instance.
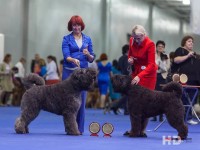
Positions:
(137, 36)
(161, 46)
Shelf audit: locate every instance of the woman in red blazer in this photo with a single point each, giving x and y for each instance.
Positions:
(142, 56)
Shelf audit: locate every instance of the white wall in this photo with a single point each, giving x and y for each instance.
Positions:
(48, 24)
(168, 28)
(107, 22)
(124, 14)
(1, 47)
(11, 25)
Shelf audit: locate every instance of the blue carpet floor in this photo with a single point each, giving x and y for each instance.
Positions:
(47, 133)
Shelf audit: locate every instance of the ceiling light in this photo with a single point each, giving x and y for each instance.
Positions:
(186, 2)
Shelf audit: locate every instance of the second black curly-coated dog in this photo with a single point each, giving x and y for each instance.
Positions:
(144, 103)
(63, 99)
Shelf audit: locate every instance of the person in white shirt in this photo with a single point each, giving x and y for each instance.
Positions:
(20, 66)
(163, 63)
(52, 75)
(6, 83)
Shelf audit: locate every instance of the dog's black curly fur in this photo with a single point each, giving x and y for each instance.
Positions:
(63, 99)
(144, 103)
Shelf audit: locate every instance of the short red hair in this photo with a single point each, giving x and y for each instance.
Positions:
(103, 56)
(76, 20)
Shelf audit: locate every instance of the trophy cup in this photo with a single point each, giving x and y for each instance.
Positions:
(94, 128)
(176, 77)
(180, 78)
(183, 78)
(107, 129)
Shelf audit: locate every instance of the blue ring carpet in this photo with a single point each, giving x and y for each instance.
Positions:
(47, 133)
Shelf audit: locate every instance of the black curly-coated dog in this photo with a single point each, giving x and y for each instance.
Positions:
(144, 103)
(63, 99)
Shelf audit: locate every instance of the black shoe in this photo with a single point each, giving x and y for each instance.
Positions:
(114, 110)
(126, 113)
(126, 133)
(154, 119)
(161, 119)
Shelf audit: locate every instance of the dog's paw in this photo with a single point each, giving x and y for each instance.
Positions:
(27, 130)
(74, 133)
(144, 135)
(131, 134)
(21, 131)
(127, 133)
(182, 138)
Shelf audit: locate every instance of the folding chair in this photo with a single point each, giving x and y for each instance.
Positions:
(190, 104)
(191, 100)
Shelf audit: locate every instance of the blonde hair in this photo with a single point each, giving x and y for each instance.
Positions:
(41, 62)
(138, 29)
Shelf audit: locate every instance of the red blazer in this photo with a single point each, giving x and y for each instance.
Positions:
(144, 62)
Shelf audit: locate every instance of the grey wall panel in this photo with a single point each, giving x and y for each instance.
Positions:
(48, 24)
(166, 27)
(124, 14)
(107, 22)
(11, 25)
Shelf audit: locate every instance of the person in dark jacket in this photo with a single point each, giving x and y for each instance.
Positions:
(123, 67)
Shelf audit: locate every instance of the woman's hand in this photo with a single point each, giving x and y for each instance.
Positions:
(135, 81)
(73, 60)
(131, 60)
(180, 59)
(190, 54)
(86, 52)
(76, 62)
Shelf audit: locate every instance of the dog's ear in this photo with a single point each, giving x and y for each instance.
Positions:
(78, 73)
(92, 73)
(84, 74)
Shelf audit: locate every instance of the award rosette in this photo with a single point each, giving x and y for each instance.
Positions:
(94, 128)
(180, 78)
(107, 129)
(183, 78)
(176, 78)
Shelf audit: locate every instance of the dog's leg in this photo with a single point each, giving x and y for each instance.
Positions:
(182, 131)
(143, 127)
(135, 125)
(20, 126)
(27, 130)
(176, 120)
(71, 126)
(28, 114)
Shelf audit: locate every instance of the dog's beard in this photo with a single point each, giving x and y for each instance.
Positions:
(91, 87)
(121, 83)
(117, 87)
(87, 85)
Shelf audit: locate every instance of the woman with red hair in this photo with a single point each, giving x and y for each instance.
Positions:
(104, 68)
(77, 52)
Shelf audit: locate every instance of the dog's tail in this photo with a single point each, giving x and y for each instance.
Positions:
(31, 80)
(173, 87)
